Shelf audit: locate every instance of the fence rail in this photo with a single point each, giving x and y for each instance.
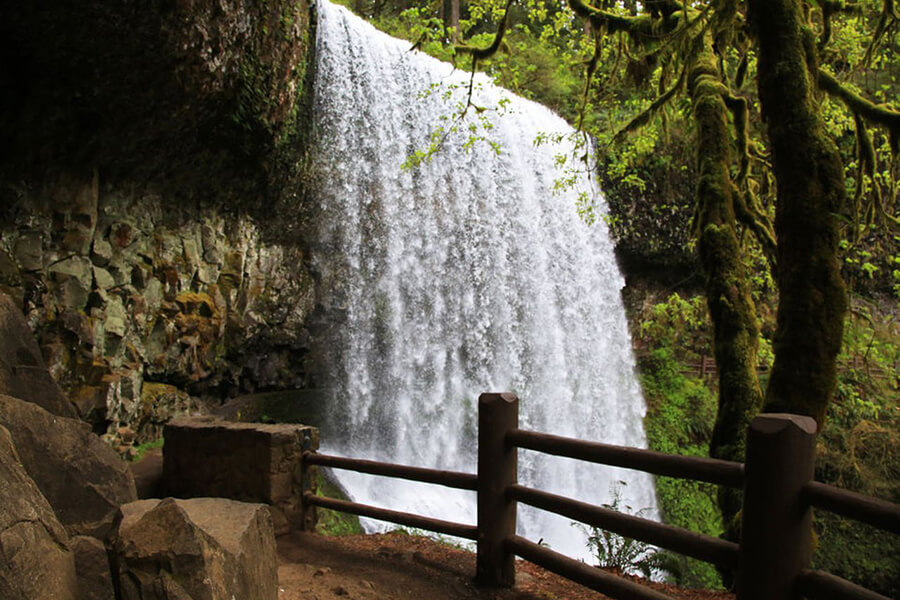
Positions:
(772, 561)
(818, 585)
(468, 532)
(453, 479)
(711, 470)
(696, 545)
(872, 511)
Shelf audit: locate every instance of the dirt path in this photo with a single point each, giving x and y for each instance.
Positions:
(397, 566)
(389, 567)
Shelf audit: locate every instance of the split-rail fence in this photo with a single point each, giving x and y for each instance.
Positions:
(772, 561)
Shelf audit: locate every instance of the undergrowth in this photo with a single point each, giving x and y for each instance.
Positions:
(681, 411)
(858, 449)
(332, 522)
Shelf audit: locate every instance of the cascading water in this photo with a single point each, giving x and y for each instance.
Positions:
(466, 274)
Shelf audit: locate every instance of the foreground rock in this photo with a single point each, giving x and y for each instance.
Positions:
(23, 373)
(83, 479)
(92, 569)
(199, 549)
(35, 560)
(252, 462)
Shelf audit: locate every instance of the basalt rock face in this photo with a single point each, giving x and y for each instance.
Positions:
(92, 569)
(151, 200)
(122, 291)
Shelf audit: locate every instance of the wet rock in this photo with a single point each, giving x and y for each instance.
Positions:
(208, 548)
(82, 478)
(36, 559)
(23, 373)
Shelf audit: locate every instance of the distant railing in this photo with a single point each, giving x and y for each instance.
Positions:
(772, 561)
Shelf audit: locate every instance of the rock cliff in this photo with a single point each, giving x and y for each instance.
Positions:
(151, 199)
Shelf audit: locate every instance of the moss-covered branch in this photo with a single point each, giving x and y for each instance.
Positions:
(881, 114)
(730, 302)
(644, 116)
(829, 8)
(479, 53)
(639, 27)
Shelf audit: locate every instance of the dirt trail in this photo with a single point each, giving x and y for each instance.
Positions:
(397, 566)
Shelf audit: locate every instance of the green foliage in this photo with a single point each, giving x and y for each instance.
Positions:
(859, 449)
(680, 415)
(678, 320)
(332, 522)
(679, 420)
(617, 552)
(142, 449)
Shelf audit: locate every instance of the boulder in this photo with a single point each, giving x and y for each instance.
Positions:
(92, 569)
(198, 549)
(82, 478)
(23, 373)
(35, 559)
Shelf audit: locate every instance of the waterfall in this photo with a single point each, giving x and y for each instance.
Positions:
(470, 273)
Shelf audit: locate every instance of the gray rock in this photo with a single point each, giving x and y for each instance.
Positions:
(23, 373)
(103, 279)
(35, 559)
(205, 548)
(82, 478)
(92, 569)
(29, 251)
(191, 252)
(101, 252)
(115, 317)
(9, 272)
(72, 277)
(77, 267)
(212, 252)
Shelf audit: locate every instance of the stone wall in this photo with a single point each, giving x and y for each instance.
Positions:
(251, 462)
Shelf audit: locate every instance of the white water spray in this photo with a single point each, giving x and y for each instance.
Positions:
(464, 275)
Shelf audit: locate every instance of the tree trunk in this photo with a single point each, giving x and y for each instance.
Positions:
(450, 9)
(731, 307)
(809, 177)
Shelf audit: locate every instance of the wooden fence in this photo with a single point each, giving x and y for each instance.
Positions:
(706, 368)
(771, 562)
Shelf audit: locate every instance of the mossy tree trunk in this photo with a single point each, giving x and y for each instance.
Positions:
(810, 193)
(731, 307)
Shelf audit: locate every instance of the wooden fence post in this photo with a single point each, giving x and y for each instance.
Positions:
(497, 470)
(776, 530)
